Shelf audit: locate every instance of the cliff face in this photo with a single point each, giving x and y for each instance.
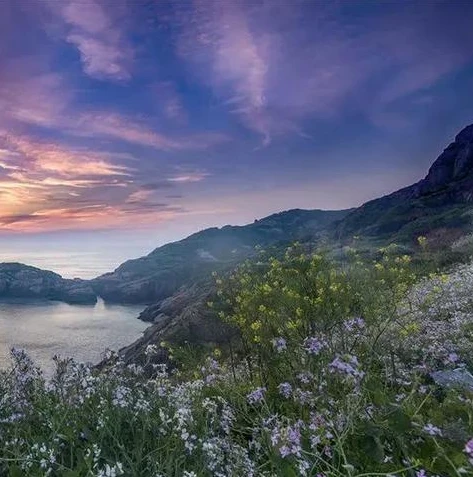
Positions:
(443, 199)
(452, 172)
(22, 281)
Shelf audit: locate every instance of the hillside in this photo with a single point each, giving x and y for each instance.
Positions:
(162, 272)
(440, 204)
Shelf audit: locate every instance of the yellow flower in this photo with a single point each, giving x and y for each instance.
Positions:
(422, 241)
(410, 329)
(267, 288)
(255, 326)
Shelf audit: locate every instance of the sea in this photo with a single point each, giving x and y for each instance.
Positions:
(47, 328)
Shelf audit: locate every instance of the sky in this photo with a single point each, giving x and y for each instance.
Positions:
(137, 122)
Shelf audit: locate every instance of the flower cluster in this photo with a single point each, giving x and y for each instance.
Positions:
(322, 392)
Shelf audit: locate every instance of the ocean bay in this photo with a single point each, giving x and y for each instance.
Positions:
(48, 328)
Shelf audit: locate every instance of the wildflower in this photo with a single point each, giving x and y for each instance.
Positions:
(303, 467)
(313, 345)
(432, 430)
(421, 473)
(279, 344)
(452, 358)
(348, 366)
(121, 396)
(256, 396)
(151, 350)
(109, 471)
(305, 377)
(285, 389)
(354, 324)
(469, 447)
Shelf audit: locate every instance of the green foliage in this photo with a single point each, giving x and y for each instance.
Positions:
(300, 296)
(330, 377)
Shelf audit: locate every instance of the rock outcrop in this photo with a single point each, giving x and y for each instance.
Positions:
(22, 281)
(452, 171)
(443, 199)
(182, 318)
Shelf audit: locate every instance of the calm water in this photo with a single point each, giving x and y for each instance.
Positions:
(44, 329)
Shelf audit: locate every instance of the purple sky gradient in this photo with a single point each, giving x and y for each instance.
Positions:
(166, 117)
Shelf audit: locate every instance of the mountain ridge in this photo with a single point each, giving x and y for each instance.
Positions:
(441, 200)
(164, 270)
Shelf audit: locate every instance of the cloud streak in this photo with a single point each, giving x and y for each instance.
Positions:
(45, 185)
(277, 64)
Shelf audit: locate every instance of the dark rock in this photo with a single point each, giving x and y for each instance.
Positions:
(453, 165)
(182, 318)
(443, 199)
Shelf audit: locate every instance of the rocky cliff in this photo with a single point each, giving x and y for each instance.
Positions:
(451, 173)
(443, 199)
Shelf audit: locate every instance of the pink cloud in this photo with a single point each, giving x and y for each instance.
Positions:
(52, 158)
(217, 38)
(48, 186)
(32, 95)
(125, 129)
(188, 177)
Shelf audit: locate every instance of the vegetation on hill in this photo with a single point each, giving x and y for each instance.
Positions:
(338, 369)
(166, 269)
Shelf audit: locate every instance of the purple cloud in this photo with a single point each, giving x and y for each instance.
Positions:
(96, 31)
(278, 64)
